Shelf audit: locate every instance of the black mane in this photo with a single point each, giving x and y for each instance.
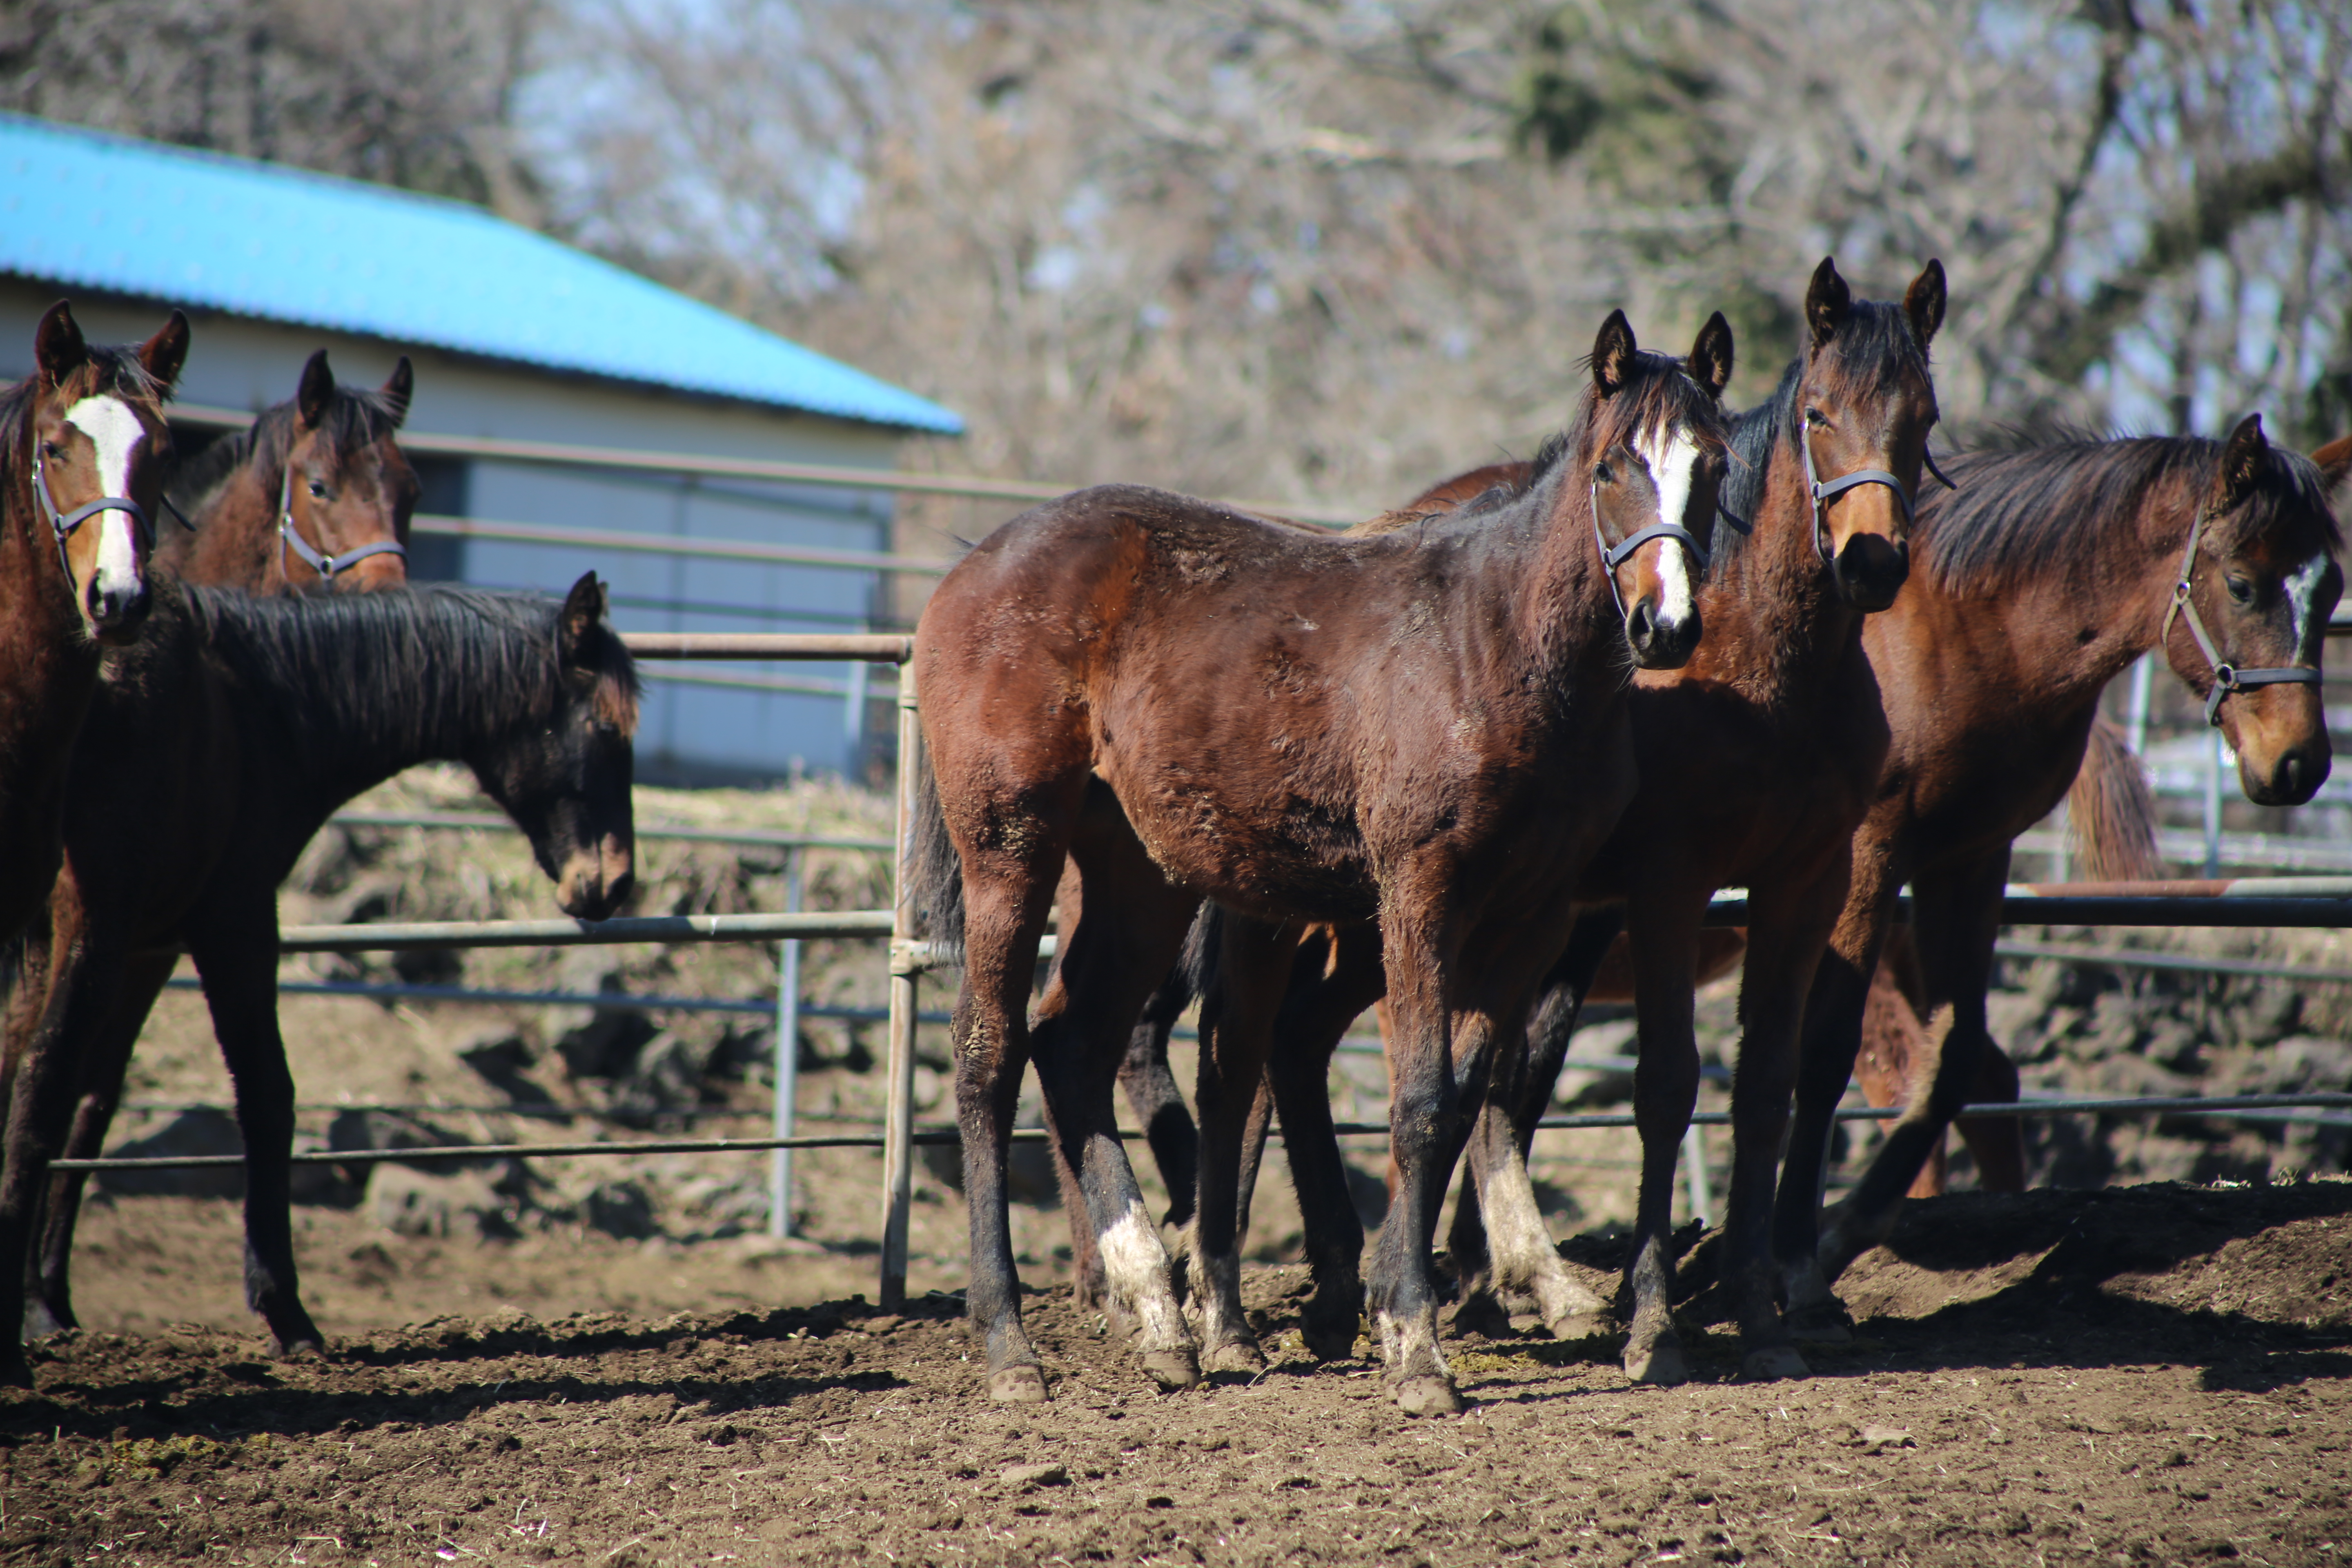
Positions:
(355, 419)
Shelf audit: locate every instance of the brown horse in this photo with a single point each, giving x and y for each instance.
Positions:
(315, 493)
(82, 450)
(213, 750)
(2047, 573)
(1757, 762)
(1425, 727)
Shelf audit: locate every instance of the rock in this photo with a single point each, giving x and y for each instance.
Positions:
(1034, 1476)
(620, 1208)
(1875, 1438)
(201, 1131)
(409, 1202)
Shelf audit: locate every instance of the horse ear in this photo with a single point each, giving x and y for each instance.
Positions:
(1924, 302)
(396, 388)
(2242, 459)
(1710, 357)
(2334, 461)
(57, 346)
(1612, 354)
(163, 355)
(318, 389)
(583, 611)
(1827, 301)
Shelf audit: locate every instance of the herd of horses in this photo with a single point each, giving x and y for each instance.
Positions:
(178, 720)
(1473, 762)
(1445, 763)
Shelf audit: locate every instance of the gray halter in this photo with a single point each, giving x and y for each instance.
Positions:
(62, 525)
(1613, 558)
(1819, 494)
(2227, 678)
(325, 565)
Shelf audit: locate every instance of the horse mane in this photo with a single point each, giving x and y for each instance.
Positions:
(2027, 512)
(356, 417)
(1871, 347)
(107, 368)
(415, 669)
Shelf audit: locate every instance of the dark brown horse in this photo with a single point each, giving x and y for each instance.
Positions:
(316, 493)
(83, 445)
(213, 752)
(1757, 762)
(1426, 729)
(2046, 574)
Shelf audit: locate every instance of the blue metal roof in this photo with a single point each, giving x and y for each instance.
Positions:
(91, 210)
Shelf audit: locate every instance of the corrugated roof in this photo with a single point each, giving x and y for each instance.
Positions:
(87, 209)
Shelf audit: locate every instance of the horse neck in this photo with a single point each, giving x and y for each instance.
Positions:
(1553, 593)
(48, 666)
(235, 540)
(1774, 623)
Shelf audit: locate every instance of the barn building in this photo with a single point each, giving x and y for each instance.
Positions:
(515, 338)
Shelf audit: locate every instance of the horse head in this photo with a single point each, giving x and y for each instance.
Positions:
(2248, 617)
(1653, 444)
(348, 491)
(567, 784)
(1864, 404)
(99, 447)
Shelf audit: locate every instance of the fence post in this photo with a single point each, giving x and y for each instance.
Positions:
(899, 1111)
(788, 1055)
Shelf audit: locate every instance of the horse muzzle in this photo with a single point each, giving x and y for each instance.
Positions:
(116, 609)
(1657, 643)
(1871, 570)
(596, 882)
(2292, 777)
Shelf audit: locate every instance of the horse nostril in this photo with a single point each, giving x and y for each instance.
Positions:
(2291, 776)
(1641, 626)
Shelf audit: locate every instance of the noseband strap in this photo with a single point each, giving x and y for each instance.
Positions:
(1612, 559)
(62, 525)
(2228, 679)
(289, 538)
(1822, 493)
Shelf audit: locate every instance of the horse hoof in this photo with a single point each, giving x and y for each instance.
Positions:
(1660, 1366)
(1330, 1342)
(1174, 1369)
(1585, 1326)
(301, 1350)
(1773, 1361)
(1824, 1325)
(1425, 1394)
(1017, 1385)
(1481, 1313)
(1235, 1355)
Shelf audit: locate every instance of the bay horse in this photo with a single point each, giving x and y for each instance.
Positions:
(214, 750)
(1757, 761)
(83, 445)
(315, 493)
(2051, 569)
(1425, 727)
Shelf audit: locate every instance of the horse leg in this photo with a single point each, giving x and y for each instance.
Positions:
(1665, 951)
(1790, 929)
(1551, 1026)
(1424, 1136)
(84, 965)
(1825, 1063)
(1997, 1143)
(1236, 1026)
(49, 1303)
(1129, 933)
(1010, 857)
(1322, 1000)
(1957, 912)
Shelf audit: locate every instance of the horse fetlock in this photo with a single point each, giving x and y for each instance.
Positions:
(1563, 1301)
(1656, 1360)
(1409, 1343)
(1135, 1267)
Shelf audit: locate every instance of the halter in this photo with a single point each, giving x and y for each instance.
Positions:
(2227, 679)
(1613, 558)
(1822, 494)
(325, 565)
(63, 524)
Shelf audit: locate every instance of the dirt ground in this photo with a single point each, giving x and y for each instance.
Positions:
(2156, 1373)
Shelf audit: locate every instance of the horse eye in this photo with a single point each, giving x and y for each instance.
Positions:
(51, 450)
(318, 490)
(1816, 418)
(2241, 591)
(1602, 474)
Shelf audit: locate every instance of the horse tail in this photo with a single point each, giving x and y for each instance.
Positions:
(2111, 811)
(934, 870)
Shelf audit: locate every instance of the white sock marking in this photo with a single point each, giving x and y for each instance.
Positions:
(1136, 1268)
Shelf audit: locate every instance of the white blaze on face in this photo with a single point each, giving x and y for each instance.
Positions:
(2303, 595)
(1672, 458)
(116, 432)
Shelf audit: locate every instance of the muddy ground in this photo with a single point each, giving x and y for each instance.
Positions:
(2156, 1374)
